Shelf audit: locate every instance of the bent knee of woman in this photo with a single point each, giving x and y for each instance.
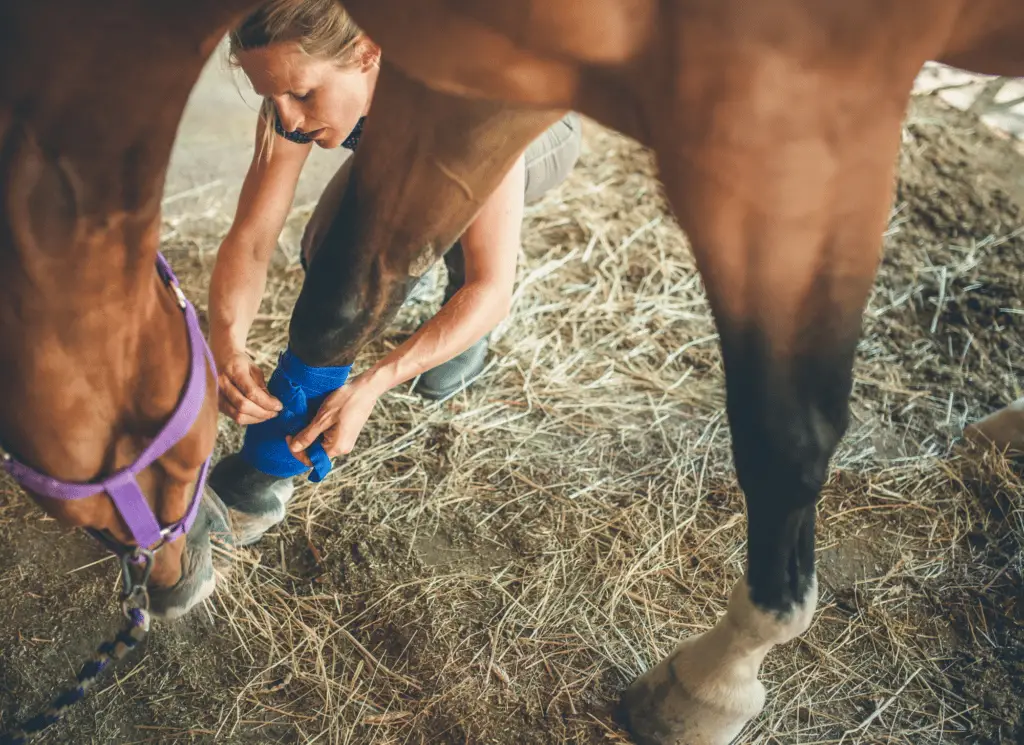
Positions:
(552, 156)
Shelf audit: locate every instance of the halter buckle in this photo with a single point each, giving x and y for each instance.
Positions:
(135, 594)
(179, 295)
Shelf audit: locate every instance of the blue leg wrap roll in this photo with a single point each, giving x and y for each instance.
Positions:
(300, 389)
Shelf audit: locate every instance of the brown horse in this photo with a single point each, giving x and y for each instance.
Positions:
(94, 354)
(776, 126)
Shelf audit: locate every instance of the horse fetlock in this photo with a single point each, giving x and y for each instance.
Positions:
(1002, 430)
(754, 628)
(707, 689)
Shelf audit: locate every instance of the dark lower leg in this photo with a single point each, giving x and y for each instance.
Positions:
(780, 556)
(787, 413)
(706, 690)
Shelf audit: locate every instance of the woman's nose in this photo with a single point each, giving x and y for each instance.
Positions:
(290, 115)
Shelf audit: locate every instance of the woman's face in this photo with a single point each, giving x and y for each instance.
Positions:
(315, 96)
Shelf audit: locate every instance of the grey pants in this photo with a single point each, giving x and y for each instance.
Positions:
(549, 160)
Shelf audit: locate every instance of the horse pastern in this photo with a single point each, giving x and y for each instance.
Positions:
(245, 489)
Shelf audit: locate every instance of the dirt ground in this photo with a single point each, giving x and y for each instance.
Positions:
(495, 568)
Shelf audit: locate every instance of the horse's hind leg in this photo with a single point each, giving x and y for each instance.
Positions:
(785, 214)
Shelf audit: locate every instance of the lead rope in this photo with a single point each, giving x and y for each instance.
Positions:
(133, 632)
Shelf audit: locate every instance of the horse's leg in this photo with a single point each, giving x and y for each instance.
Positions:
(376, 232)
(784, 208)
(1002, 430)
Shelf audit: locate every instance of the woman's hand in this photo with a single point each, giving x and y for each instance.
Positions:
(243, 391)
(340, 420)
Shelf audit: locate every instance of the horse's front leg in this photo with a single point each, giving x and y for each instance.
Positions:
(785, 209)
(414, 186)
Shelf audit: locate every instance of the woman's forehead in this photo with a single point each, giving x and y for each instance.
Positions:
(278, 68)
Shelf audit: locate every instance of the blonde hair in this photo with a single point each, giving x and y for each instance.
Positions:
(320, 28)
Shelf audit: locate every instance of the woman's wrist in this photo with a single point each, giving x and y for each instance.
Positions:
(455, 328)
(224, 343)
(376, 380)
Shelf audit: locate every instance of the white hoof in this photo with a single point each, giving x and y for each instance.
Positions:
(660, 708)
(706, 690)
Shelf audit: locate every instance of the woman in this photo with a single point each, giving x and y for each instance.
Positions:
(317, 72)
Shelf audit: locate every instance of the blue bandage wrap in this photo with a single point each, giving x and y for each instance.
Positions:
(300, 389)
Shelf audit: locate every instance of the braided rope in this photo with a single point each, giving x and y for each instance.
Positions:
(278, 685)
(110, 651)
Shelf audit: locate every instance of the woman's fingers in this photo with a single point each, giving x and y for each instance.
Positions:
(249, 381)
(308, 436)
(254, 387)
(300, 454)
(329, 440)
(229, 410)
(242, 405)
(337, 442)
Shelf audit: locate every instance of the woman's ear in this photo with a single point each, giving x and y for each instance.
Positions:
(367, 53)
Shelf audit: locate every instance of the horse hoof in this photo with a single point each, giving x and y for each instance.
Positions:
(255, 500)
(1002, 430)
(198, 579)
(658, 710)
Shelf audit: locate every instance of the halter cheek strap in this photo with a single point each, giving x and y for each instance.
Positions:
(123, 486)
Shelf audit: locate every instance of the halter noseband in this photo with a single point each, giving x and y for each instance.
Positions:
(122, 486)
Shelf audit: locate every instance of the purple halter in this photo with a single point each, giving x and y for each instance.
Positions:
(122, 486)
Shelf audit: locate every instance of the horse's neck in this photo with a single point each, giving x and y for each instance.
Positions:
(88, 374)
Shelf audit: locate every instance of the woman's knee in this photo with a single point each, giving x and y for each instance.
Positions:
(552, 156)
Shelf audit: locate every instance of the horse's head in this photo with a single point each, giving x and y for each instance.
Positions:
(109, 410)
(81, 442)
